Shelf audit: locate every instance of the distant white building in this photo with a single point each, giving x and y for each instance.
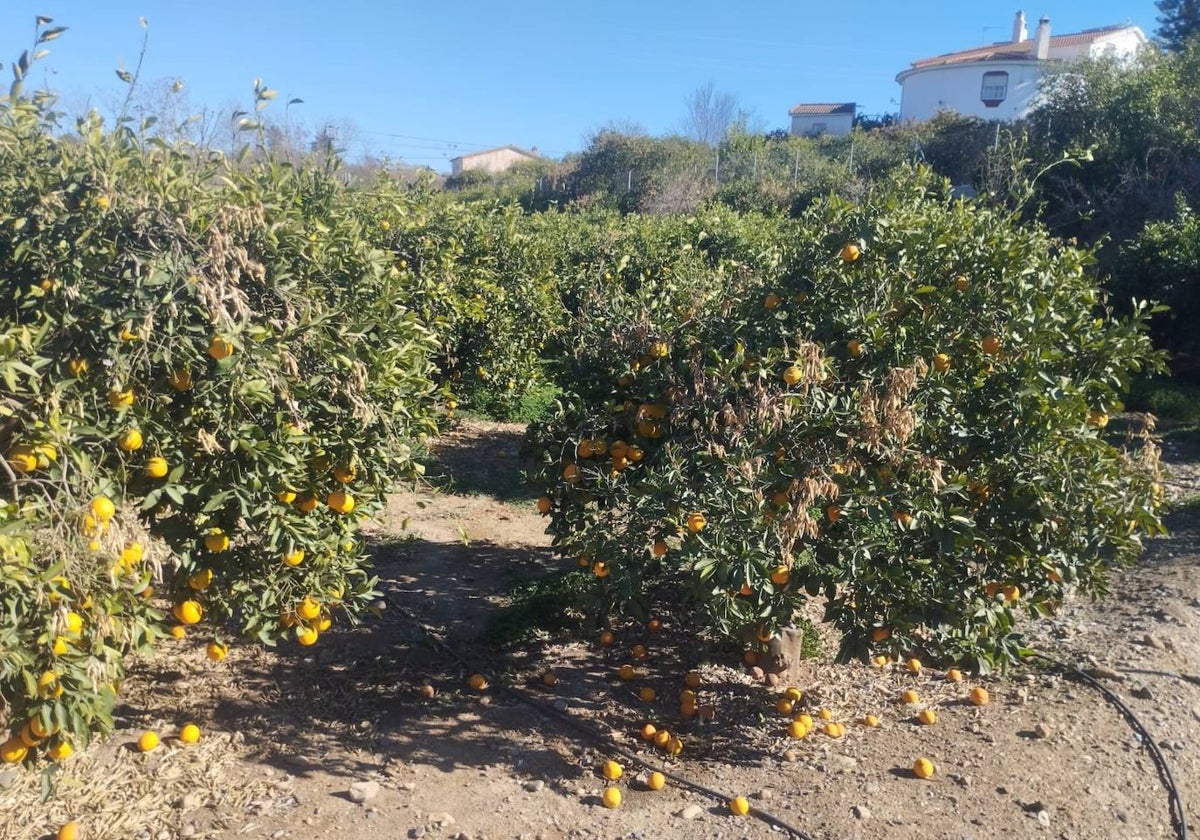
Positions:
(492, 160)
(833, 118)
(1000, 81)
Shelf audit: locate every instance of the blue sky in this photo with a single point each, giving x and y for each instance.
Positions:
(428, 81)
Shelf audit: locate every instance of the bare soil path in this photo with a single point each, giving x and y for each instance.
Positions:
(292, 738)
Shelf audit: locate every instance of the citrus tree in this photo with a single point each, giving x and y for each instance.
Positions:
(902, 417)
(207, 379)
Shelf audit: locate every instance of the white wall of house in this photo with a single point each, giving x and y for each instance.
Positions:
(495, 160)
(959, 87)
(836, 125)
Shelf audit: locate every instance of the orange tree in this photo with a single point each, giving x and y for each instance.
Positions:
(481, 279)
(206, 381)
(902, 418)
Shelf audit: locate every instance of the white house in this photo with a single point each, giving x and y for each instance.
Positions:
(836, 119)
(492, 160)
(1000, 81)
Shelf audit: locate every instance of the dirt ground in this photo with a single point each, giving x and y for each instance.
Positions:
(294, 737)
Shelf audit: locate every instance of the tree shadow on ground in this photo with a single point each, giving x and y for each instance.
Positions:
(471, 460)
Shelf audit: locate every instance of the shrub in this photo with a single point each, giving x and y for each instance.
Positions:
(1162, 263)
(208, 369)
(900, 417)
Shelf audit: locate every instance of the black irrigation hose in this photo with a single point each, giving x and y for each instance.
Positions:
(1175, 801)
(599, 738)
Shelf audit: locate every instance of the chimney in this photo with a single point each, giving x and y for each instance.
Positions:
(1042, 40)
(1019, 32)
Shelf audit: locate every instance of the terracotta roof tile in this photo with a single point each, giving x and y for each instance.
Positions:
(1008, 51)
(820, 109)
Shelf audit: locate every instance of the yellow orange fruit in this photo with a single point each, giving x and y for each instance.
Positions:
(954, 675)
(201, 580)
(794, 694)
(692, 680)
(941, 362)
(659, 548)
(611, 797)
(913, 666)
(909, 696)
(340, 501)
(549, 679)
(344, 474)
(103, 508)
(928, 717)
(780, 575)
(739, 806)
(49, 686)
(850, 252)
(307, 503)
(1012, 593)
(607, 638)
(156, 467)
(130, 440)
(180, 379)
(40, 730)
(294, 558)
(656, 781)
(307, 636)
(178, 631)
(216, 651)
(188, 612)
(696, 522)
(661, 738)
(308, 609)
(120, 399)
(792, 375)
(60, 751)
(611, 770)
(648, 732)
(881, 634)
(646, 694)
(1098, 419)
(772, 301)
(189, 733)
(871, 721)
(147, 741)
(979, 696)
(220, 348)
(77, 367)
(674, 746)
(478, 682)
(626, 672)
(13, 751)
(68, 831)
(923, 768)
(990, 344)
(216, 540)
(854, 348)
(796, 729)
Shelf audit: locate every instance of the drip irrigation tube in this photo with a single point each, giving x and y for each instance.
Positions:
(1174, 800)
